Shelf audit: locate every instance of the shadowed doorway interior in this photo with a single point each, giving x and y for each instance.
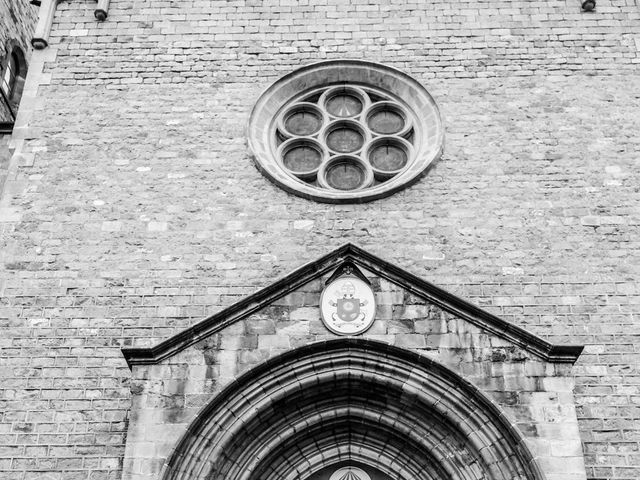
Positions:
(349, 471)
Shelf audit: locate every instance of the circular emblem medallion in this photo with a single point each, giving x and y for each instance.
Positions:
(348, 306)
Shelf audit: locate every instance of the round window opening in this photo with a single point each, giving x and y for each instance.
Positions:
(345, 131)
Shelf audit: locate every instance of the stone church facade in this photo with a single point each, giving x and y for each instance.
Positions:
(185, 184)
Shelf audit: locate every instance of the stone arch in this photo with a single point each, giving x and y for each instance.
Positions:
(351, 399)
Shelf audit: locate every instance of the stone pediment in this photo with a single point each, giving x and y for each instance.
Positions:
(267, 385)
(375, 266)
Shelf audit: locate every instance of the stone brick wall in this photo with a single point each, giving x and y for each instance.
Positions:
(535, 394)
(234, 42)
(134, 210)
(17, 21)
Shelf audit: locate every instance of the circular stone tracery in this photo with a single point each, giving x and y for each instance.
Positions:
(302, 157)
(345, 131)
(344, 136)
(344, 102)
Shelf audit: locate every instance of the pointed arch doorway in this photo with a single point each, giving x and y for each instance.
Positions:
(310, 411)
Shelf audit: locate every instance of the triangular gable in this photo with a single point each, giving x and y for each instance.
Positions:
(351, 253)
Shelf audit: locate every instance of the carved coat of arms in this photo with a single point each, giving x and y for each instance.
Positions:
(347, 305)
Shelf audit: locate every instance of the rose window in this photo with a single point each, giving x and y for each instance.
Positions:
(345, 131)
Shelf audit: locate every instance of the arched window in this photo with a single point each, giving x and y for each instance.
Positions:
(13, 77)
(9, 80)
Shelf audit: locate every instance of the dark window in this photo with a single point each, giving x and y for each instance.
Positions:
(10, 74)
(11, 84)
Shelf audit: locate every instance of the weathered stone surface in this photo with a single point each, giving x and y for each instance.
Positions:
(138, 122)
(536, 396)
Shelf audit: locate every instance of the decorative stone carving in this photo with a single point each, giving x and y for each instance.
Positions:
(437, 389)
(347, 303)
(345, 131)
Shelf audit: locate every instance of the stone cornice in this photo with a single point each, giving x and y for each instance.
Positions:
(40, 38)
(351, 253)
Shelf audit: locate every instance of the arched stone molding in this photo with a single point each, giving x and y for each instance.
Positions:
(351, 399)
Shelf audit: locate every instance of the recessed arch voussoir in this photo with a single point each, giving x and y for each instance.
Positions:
(356, 431)
(349, 399)
(434, 439)
(395, 413)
